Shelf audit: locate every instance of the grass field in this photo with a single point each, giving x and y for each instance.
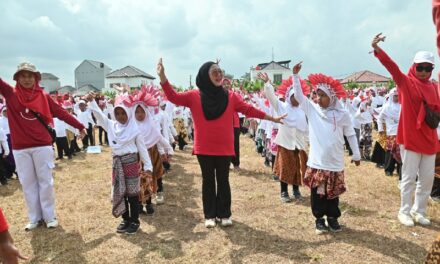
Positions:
(264, 230)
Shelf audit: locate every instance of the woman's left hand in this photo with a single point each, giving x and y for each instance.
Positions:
(356, 162)
(82, 133)
(279, 119)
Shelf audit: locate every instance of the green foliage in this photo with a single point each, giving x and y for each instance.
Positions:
(110, 94)
(391, 84)
(252, 86)
(351, 85)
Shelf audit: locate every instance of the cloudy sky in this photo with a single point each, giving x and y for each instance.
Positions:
(331, 37)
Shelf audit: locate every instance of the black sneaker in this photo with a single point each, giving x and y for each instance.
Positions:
(296, 193)
(150, 209)
(132, 229)
(123, 226)
(285, 197)
(275, 178)
(333, 224)
(4, 182)
(388, 173)
(321, 228)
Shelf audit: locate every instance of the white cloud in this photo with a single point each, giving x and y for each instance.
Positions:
(332, 37)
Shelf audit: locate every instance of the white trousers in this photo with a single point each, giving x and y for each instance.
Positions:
(34, 168)
(421, 166)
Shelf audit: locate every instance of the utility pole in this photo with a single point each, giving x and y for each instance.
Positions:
(190, 81)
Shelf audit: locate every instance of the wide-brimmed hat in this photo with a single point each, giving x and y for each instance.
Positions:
(26, 66)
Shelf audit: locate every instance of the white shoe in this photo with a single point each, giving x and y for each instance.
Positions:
(52, 224)
(31, 226)
(210, 223)
(405, 220)
(226, 222)
(160, 199)
(421, 219)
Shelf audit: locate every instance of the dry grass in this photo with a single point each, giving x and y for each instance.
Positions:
(264, 231)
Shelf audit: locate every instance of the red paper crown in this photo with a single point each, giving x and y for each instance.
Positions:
(334, 86)
(286, 84)
(147, 96)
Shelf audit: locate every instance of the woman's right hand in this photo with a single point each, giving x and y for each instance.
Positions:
(378, 38)
(90, 96)
(297, 68)
(263, 77)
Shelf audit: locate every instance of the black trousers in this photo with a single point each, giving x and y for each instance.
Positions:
(74, 146)
(3, 177)
(182, 142)
(347, 146)
(436, 188)
(236, 159)
(391, 164)
(159, 185)
(321, 206)
(101, 132)
(216, 201)
(89, 137)
(62, 146)
(132, 214)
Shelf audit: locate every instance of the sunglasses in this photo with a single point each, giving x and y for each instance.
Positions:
(428, 68)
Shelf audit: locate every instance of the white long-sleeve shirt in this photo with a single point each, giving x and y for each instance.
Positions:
(326, 135)
(4, 143)
(136, 145)
(289, 137)
(60, 127)
(86, 118)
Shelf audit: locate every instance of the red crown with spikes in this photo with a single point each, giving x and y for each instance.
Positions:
(334, 86)
(287, 83)
(147, 96)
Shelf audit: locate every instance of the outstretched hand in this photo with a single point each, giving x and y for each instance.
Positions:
(82, 134)
(297, 68)
(378, 38)
(279, 119)
(263, 76)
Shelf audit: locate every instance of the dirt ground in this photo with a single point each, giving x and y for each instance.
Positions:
(264, 231)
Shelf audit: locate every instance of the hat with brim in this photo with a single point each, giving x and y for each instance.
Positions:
(29, 67)
(424, 57)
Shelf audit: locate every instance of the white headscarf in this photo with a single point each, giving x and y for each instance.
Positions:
(148, 127)
(121, 134)
(335, 110)
(390, 108)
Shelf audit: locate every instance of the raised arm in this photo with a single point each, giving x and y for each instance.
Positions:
(101, 118)
(387, 62)
(269, 92)
(183, 99)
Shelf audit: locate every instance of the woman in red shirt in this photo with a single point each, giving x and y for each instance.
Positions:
(213, 109)
(32, 142)
(419, 142)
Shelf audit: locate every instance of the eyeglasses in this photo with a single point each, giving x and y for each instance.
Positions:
(217, 72)
(428, 68)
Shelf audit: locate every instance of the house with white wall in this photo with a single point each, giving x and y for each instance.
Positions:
(129, 75)
(49, 82)
(277, 71)
(91, 72)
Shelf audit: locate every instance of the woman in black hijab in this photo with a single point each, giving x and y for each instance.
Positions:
(212, 108)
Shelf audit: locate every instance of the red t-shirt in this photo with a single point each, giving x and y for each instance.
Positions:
(26, 130)
(212, 137)
(423, 140)
(3, 224)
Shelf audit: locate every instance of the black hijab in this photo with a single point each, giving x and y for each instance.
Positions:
(214, 98)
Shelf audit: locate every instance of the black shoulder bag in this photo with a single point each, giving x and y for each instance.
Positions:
(432, 118)
(51, 131)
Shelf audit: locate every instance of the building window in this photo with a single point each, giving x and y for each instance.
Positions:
(277, 78)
